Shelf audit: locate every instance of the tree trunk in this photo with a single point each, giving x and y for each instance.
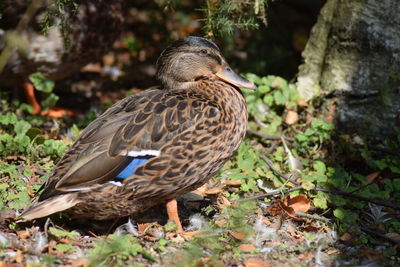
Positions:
(352, 60)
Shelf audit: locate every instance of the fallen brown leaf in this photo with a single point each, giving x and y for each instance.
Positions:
(142, 227)
(346, 238)
(224, 201)
(306, 256)
(234, 183)
(254, 262)
(201, 190)
(238, 236)
(298, 203)
(221, 222)
(372, 176)
(247, 247)
(310, 228)
(275, 208)
(213, 191)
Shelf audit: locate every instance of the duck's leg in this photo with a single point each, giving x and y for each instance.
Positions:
(172, 210)
(53, 112)
(30, 97)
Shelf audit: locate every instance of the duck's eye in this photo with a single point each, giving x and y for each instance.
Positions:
(203, 51)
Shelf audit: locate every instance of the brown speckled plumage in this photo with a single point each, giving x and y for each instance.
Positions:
(196, 129)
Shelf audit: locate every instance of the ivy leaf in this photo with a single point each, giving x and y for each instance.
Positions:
(50, 100)
(279, 98)
(63, 234)
(345, 215)
(320, 167)
(41, 83)
(320, 202)
(21, 127)
(9, 118)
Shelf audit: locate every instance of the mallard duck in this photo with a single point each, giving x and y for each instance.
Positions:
(92, 29)
(155, 145)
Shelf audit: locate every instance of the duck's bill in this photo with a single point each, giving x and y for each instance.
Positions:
(229, 76)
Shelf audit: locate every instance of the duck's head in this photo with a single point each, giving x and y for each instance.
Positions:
(188, 60)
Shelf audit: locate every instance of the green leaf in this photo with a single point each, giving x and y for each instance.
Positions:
(114, 250)
(279, 82)
(246, 164)
(63, 234)
(279, 98)
(262, 89)
(21, 127)
(396, 184)
(41, 83)
(50, 100)
(345, 215)
(9, 118)
(26, 107)
(301, 138)
(320, 167)
(307, 185)
(279, 154)
(20, 200)
(132, 44)
(268, 100)
(315, 177)
(320, 202)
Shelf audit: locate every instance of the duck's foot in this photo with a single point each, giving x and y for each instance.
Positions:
(53, 112)
(30, 97)
(57, 112)
(172, 210)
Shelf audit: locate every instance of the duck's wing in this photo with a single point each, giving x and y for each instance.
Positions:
(138, 125)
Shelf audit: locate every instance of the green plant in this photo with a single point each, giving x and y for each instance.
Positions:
(267, 104)
(222, 17)
(115, 250)
(45, 86)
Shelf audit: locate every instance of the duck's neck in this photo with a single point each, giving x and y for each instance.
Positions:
(228, 98)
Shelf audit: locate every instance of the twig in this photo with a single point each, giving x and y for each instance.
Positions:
(269, 137)
(46, 226)
(329, 191)
(314, 217)
(269, 194)
(283, 176)
(346, 194)
(377, 234)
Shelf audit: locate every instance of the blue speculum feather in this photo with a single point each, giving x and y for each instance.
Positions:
(132, 166)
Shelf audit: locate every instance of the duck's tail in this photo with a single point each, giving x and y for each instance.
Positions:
(49, 206)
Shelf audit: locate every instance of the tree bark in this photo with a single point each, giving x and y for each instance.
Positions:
(352, 60)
